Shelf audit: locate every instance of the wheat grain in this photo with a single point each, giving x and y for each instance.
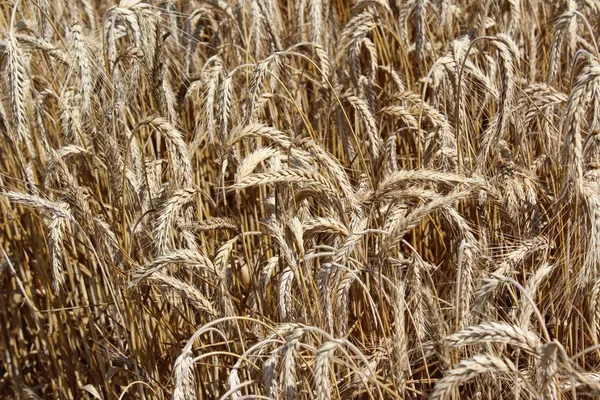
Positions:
(17, 79)
(188, 257)
(469, 369)
(43, 45)
(322, 385)
(317, 21)
(506, 267)
(496, 332)
(182, 165)
(288, 375)
(532, 285)
(185, 380)
(80, 55)
(269, 372)
(57, 228)
(39, 203)
(258, 130)
(214, 75)
(370, 125)
(167, 216)
(185, 290)
(419, 15)
(400, 360)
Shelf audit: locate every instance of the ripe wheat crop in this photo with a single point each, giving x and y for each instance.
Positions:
(299, 199)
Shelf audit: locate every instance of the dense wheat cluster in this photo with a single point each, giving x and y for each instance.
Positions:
(299, 199)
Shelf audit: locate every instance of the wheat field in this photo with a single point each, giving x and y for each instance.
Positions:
(299, 199)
